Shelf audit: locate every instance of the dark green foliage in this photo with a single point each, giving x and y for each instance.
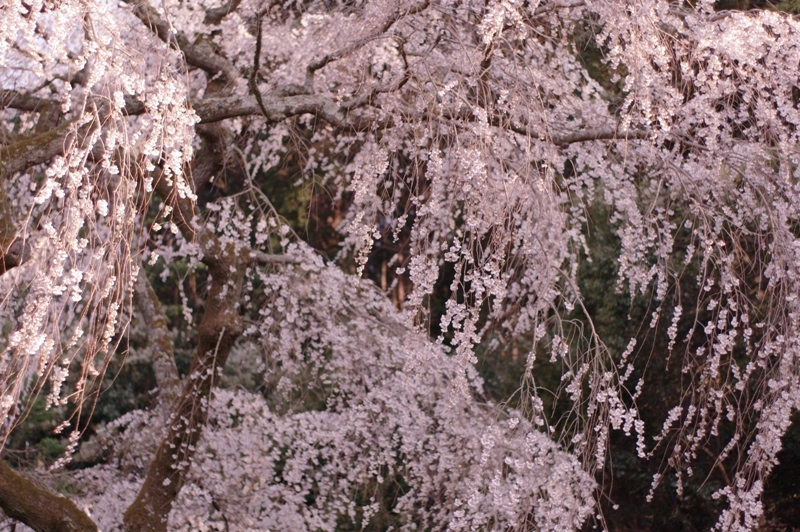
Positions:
(782, 494)
(129, 388)
(627, 479)
(32, 441)
(50, 449)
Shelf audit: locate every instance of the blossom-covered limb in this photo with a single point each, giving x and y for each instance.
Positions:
(199, 54)
(38, 149)
(390, 21)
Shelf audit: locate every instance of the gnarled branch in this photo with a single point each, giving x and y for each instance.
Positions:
(22, 101)
(216, 14)
(199, 54)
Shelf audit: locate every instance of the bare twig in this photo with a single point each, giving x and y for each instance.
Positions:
(252, 83)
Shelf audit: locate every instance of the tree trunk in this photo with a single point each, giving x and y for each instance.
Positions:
(219, 328)
(167, 379)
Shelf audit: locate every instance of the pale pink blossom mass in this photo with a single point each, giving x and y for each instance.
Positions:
(478, 128)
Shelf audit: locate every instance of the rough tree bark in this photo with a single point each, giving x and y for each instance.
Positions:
(219, 328)
(38, 507)
(163, 359)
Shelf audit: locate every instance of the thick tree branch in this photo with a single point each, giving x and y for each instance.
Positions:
(276, 107)
(280, 105)
(49, 110)
(37, 507)
(133, 106)
(589, 135)
(267, 258)
(563, 140)
(210, 160)
(542, 9)
(11, 249)
(215, 15)
(22, 101)
(30, 151)
(219, 328)
(200, 54)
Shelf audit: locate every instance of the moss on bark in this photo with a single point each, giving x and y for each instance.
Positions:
(38, 507)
